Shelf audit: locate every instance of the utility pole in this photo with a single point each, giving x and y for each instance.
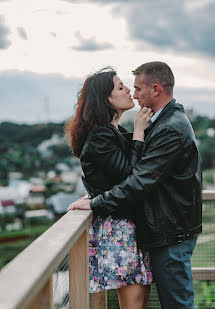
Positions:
(46, 101)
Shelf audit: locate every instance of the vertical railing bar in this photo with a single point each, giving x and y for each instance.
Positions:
(79, 273)
(99, 300)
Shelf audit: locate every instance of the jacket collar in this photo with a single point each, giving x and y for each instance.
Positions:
(165, 109)
(123, 132)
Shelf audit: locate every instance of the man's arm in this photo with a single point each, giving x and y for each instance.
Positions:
(161, 156)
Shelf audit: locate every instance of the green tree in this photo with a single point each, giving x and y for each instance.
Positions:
(206, 299)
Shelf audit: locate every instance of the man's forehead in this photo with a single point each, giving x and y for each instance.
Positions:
(139, 79)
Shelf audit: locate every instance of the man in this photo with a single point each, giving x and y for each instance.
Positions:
(164, 188)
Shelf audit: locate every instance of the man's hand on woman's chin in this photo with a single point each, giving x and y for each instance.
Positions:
(83, 203)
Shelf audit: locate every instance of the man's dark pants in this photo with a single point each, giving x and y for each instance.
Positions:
(172, 274)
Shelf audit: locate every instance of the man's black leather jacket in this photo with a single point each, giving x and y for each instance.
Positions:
(164, 188)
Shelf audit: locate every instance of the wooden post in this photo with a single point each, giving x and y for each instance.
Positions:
(44, 300)
(79, 273)
(99, 300)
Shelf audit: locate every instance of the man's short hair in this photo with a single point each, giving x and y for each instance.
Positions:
(157, 72)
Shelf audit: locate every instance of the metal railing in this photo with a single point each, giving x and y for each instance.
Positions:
(205, 273)
(27, 281)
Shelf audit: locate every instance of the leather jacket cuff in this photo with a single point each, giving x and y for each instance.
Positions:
(96, 205)
(99, 208)
(138, 146)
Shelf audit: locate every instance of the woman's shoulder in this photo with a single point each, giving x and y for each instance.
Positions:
(98, 139)
(106, 138)
(102, 131)
(110, 135)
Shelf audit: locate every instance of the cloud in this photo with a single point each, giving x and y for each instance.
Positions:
(201, 100)
(90, 44)
(22, 33)
(98, 1)
(176, 26)
(4, 31)
(180, 26)
(53, 34)
(24, 96)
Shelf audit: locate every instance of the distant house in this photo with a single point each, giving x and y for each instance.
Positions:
(11, 193)
(211, 132)
(62, 167)
(12, 197)
(51, 175)
(7, 207)
(31, 215)
(15, 175)
(36, 181)
(69, 177)
(9, 219)
(21, 188)
(44, 147)
(36, 197)
(59, 202)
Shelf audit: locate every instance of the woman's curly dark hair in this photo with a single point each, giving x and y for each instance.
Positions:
(93, 108)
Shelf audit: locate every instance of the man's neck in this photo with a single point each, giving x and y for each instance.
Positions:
(162, 104)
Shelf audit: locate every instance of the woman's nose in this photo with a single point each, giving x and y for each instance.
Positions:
(128, 90)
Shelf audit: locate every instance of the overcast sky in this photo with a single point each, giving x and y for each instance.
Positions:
(47, 48)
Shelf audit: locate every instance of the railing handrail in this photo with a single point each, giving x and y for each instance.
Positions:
(208, 195)
(25, 275)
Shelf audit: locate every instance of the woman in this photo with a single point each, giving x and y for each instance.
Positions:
(108, 153)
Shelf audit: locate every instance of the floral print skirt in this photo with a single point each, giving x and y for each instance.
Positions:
(114, 259)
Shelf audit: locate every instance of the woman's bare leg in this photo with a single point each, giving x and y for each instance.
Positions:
(133, 296)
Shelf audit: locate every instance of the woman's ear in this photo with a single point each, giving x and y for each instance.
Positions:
(110, 99)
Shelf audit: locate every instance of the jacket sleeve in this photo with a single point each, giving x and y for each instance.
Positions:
(110, 156)
(156, 164)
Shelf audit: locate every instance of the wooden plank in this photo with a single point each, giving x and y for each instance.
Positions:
(99, 300)
(208, 195)
(203, 273)
(44, 300)
(30, 270)
(79, 273)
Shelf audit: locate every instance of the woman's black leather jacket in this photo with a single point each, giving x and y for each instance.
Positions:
(164, 189)
(107, 158)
